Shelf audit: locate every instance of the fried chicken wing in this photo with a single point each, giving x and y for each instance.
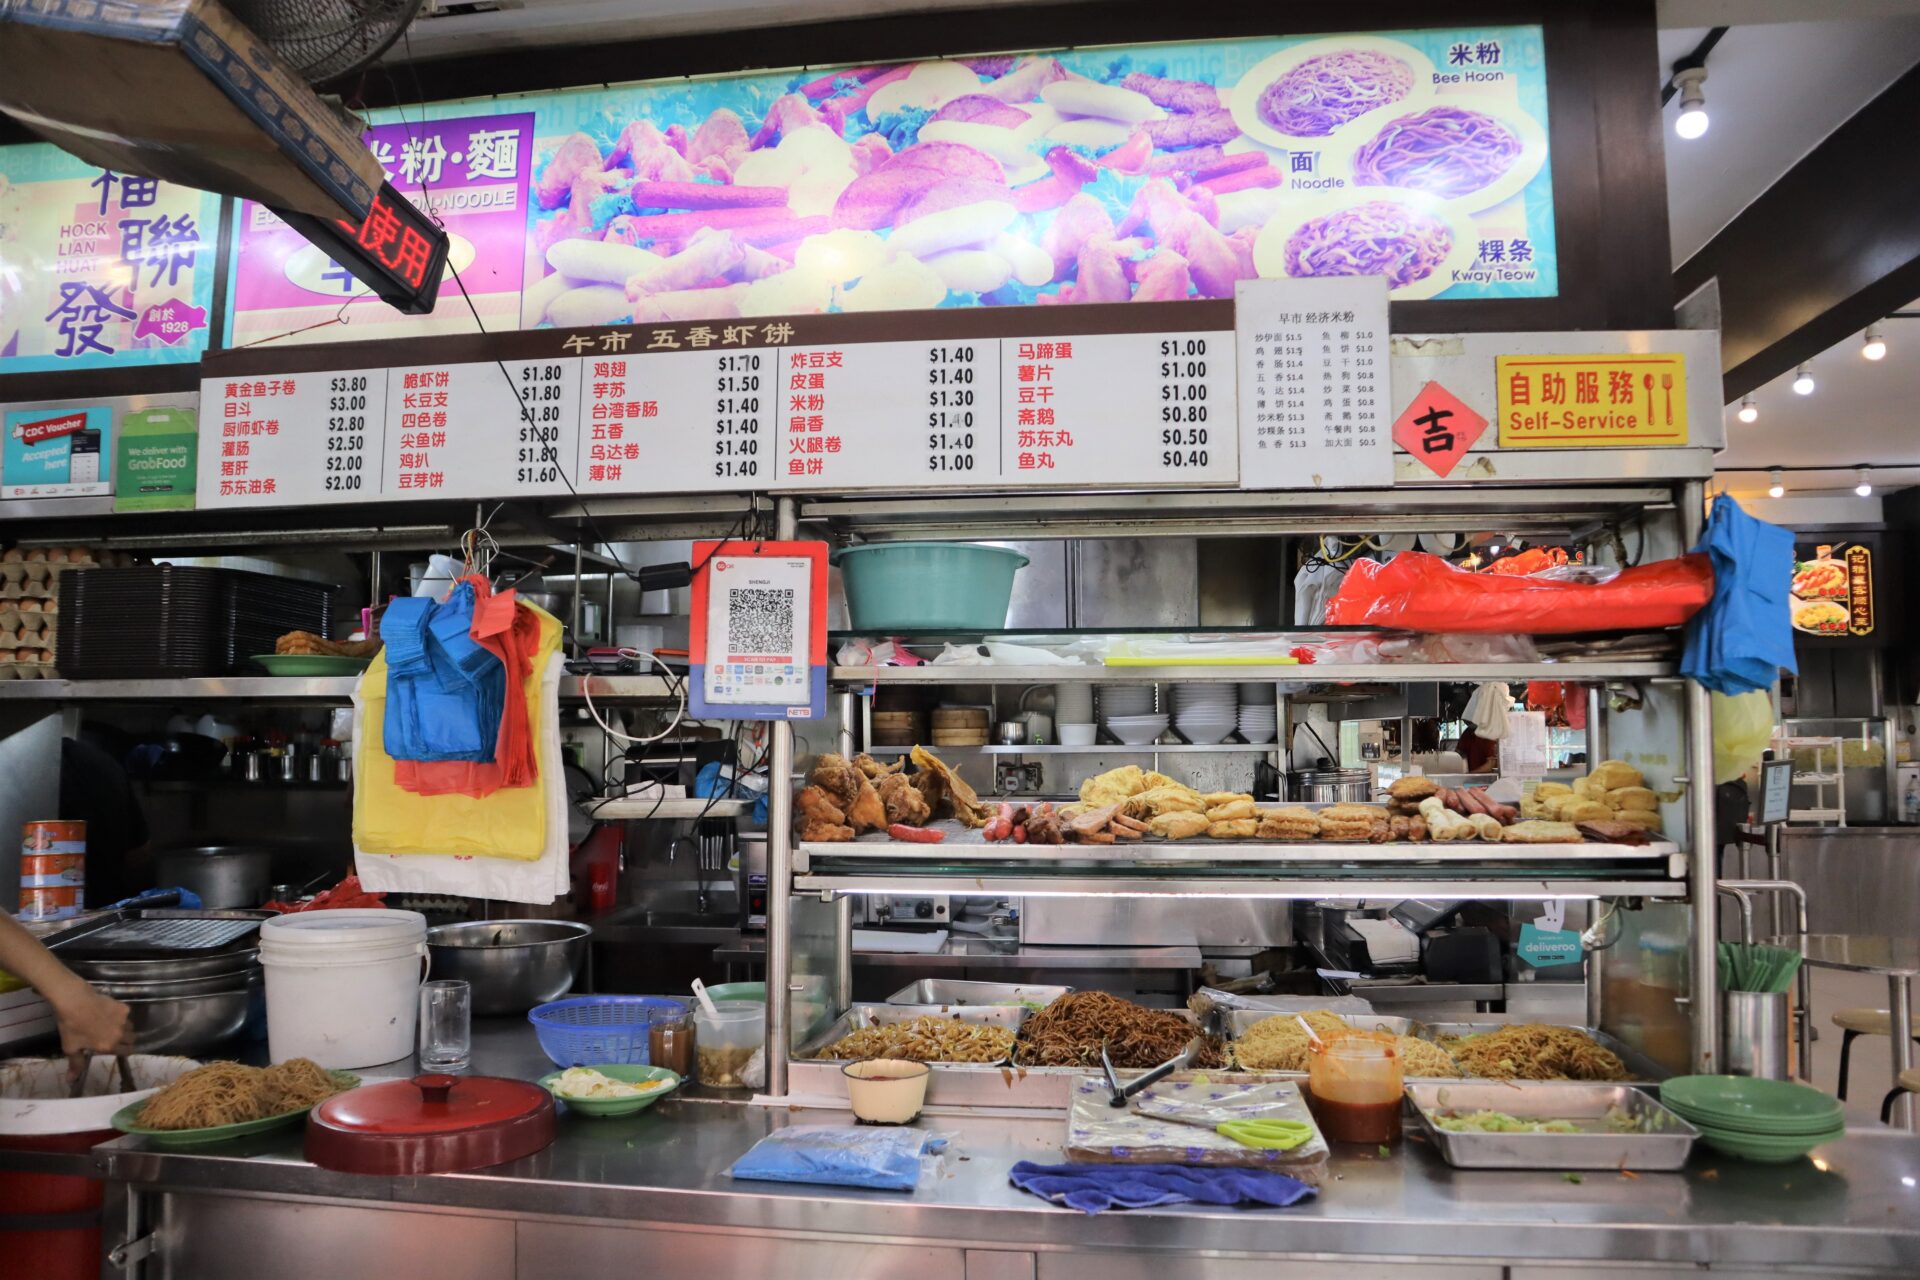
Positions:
(874, 769)
(835, 775)
(819, 817)
(902, 799)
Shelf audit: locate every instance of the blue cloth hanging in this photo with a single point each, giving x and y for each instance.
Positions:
(1093, 1188)
(445, 693)
(1743, 639)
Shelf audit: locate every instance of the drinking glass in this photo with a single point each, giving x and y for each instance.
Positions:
(446, 1025)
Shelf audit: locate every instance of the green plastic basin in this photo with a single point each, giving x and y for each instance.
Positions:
(928, 586)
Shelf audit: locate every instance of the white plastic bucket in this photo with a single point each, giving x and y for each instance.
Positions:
(343, 987)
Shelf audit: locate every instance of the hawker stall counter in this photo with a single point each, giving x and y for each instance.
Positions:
(655, 1185)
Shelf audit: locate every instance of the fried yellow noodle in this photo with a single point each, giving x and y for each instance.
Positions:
(926, 1039)
(228, 1093)
(1070, 1031)
(1279, 1044)
(1535, 1051)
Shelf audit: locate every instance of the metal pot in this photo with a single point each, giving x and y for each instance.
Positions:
(512, 965)
(1333, 786)
(223, 875)
(169, 969)
(215, 984)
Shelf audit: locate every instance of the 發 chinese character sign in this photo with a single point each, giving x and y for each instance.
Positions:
(97, 268)
(1592, 401)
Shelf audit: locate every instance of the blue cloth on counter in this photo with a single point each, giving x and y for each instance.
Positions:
(708, 784)
(445, 692)
(840, 1156)
(1743, 639)
(1094, 1188)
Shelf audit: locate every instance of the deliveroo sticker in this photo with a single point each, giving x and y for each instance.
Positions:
(158, 459)
(1544, 948)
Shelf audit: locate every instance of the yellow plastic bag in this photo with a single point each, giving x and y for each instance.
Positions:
(1742, 728)
(390, 819)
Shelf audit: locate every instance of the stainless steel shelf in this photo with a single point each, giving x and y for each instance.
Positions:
(640, 808)
(1174, 854)
(1099, 749)
(1094, 885)
(1381, 673)
(288, 689)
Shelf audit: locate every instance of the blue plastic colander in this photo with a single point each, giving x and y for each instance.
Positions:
(588, 1030)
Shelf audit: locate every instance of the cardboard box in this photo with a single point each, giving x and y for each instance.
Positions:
(180, 90)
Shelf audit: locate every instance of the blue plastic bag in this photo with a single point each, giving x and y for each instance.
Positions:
(841, 1156)
(1743, 639)
(445, 692)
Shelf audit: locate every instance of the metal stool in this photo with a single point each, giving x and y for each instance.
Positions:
(1854, 1023)
(1909, 1083)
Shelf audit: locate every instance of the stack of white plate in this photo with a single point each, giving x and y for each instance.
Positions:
(1204, 713)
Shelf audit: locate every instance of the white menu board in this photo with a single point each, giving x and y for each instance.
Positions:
(1132, 409)
(1313, 384)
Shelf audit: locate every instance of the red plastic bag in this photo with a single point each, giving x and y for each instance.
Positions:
(1418, 592)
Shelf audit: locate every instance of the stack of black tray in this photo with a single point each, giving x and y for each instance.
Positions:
(171, 621)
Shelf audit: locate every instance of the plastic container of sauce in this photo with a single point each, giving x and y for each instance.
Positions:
(1353, 1088)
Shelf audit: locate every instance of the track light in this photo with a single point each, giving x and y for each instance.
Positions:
(1778, 488)
(1692, 121)
(1874, 346)
(1803, 382)
(1749, 412)
(1865, 487)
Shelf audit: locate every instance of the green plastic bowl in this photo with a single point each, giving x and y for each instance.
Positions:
(1747, 1103)
(627, 1073)
(928, 586)
(739, 991)
(1764, 1150)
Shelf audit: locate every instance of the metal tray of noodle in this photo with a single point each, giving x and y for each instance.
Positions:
(1640, 1068)
(920, 1032)
(1550, 1125)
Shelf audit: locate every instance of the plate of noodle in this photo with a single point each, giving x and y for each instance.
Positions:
(1279, 1043)
(224, 1100)
(1536, 1051)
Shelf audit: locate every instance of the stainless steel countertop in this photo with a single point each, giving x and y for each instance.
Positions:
(1856, 1207)
(1856, 952)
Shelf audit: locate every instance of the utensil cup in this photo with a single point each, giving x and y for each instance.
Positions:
(446, 1025)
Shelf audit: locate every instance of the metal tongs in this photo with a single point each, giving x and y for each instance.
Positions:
(1117, 1093)
(81, 1063)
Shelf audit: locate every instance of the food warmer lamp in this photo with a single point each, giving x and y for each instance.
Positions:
(430, 1124)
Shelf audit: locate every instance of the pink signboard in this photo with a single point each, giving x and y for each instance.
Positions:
(471, 173)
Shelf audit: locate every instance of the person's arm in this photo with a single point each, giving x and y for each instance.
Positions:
(89, 1021)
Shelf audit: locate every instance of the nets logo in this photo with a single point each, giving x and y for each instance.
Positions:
(49, 428)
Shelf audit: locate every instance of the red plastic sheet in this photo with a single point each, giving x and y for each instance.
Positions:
(1419, 592)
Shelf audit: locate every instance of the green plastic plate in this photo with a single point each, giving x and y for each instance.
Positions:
(127, 1120)
(1738, 1099)
(627, 1074)
(310, 664)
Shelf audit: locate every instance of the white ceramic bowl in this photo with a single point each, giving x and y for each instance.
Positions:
(1137, 735)
(1077, 735)
(886, 1090)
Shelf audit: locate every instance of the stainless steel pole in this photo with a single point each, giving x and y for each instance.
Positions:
(844, 708)
(1703, 980)
(780, 875)
(1900, 1006)
(1596, 725)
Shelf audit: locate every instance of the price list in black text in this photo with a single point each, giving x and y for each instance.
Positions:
(1313, 383)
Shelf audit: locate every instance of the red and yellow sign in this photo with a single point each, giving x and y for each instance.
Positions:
(1592, 401)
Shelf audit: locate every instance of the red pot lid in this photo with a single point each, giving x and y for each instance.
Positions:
(430, 1124)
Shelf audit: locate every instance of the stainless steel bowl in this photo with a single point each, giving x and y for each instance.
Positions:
(214, 985)
(167, 970)
(512, 965)
(191, 1024)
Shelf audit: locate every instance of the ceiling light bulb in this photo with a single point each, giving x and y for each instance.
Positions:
(1775, 489)
(1692, 121)
(1875, 345)
(1865, 487)
(1749, 412)
(1803, 382)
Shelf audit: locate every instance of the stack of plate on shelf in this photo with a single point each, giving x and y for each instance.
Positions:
(1126, 710)
(899, 728)
(1765, 1121)
(1073, 714)
(1204, 713)
(1258, 720)
(961, 726)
